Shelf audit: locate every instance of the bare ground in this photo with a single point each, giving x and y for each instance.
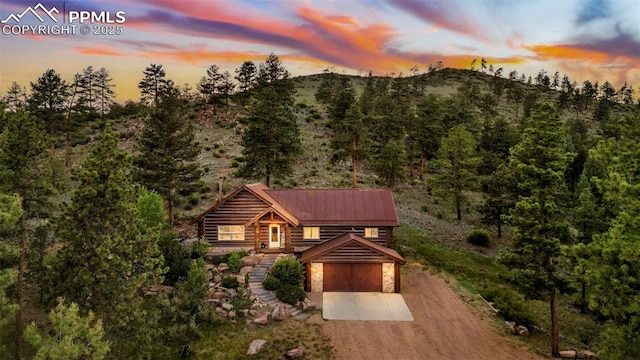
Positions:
(445, 327)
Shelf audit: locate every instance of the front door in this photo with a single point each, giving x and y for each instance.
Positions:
(274, 236)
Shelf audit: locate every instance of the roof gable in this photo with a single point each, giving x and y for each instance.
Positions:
(256, 190)
(348, 239)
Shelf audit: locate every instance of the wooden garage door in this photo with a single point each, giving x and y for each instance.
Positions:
(352, 277)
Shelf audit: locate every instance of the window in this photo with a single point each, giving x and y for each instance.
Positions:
(231, 232)
(311, 233)
(371, 232)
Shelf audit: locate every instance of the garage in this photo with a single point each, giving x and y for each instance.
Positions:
(351, 263)
(352, 277)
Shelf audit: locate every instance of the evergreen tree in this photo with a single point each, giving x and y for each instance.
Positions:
(71, 335)
(272, 74)
(499, 199)
(48, 100)
(389, 162)
(154, 86)
(16, 97)
(22, 172)
(246, 76)
(271, 137)
(324, 93)
(428, 128)
(104, 259)
(167, 159)
(350, 140)
(538, 162)
(210, 85)
(457, 165)
(104, 91)
(343, 97)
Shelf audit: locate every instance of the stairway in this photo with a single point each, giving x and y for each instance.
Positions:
(257, 276)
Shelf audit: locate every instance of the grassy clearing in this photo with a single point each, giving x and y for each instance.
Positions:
(476, 273)
(230, 341)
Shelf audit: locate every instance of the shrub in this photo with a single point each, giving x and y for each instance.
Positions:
(199, 248)
(193, 200)
(424, 208)
(271, 283)
(288, 271)
(203, 187)
(479, 237)
(241, 301)
(235, 163)
(291, 294)
(234, 262)
(230, 282)
(176, 258)
(511, 305)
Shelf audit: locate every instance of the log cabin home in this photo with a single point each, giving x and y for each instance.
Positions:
(344, 237)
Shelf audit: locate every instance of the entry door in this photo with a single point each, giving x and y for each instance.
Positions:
(274, 236)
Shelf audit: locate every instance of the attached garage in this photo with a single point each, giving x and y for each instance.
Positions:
(352, 263)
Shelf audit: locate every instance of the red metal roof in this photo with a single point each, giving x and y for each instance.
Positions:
(357, 207)
(341, 240)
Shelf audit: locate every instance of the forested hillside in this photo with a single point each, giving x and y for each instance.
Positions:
(525, 189)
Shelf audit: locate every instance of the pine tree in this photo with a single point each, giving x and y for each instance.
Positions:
(538, 162)
(48, 100)
(350, 140)
(16, 97)
(500, 193)
(104, 259)
(246, 76)
(389, 162)
(457, 164)
(22, 172)
(167, 160)
(271, 137)
(210, 85)
(104, 91)
(154, 86)
(72, 336)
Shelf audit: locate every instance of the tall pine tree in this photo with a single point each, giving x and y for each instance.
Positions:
(538, 163)
(167, 159)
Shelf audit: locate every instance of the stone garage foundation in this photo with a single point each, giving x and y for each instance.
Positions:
(317, 272)
(388, 277)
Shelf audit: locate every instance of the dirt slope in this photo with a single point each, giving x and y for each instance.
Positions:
(445, 327)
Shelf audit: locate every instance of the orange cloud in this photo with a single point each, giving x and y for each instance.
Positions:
(98, 51)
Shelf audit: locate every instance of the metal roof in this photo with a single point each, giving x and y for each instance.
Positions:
(344, 239)
(357, 207)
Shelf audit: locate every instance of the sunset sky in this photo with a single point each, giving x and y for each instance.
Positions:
(594, 39)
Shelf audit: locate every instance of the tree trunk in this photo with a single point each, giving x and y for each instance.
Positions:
(67, 151)
(422, 163)
(458, 207)
(268, 180)
(170, 205)
(499, 229)
(353, 165)
(555, 352)
(21, 270)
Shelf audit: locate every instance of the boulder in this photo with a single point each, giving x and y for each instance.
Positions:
(586, 354)
(163, 289)
(217, 279)
(215, 302)
(250, 260)
(232, 314)
(295, 353)
(279, 313)
(568, 354)
(522, 330)
(308, 305)
(245, 270)
(210, 267)
(221, 312)
(511, 326)
(223, 267)
(213, 294)
(255, 346)
(262, 320)
(253, 312)
(227, 306)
